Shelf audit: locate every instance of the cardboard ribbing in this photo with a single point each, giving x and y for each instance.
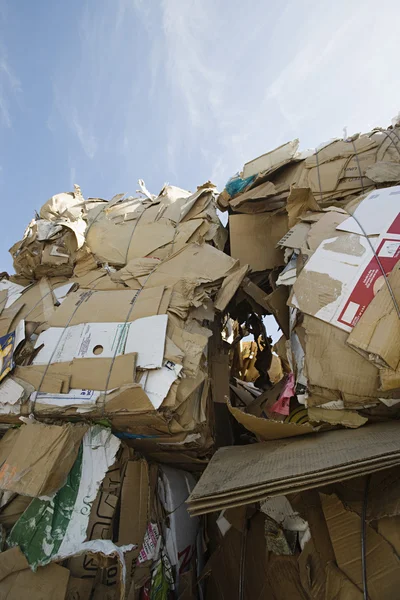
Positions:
(200, 508)
(281, 463)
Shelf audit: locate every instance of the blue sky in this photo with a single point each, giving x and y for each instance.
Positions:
(104, 92)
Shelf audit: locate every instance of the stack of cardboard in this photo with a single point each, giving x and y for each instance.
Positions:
(307, 546)
(104, 336)
(83, 517)
(320, 231)
(324, 264)
(108, 315)
(134, 345)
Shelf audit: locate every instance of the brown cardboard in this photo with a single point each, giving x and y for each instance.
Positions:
(12, 561)
(134, 511)
(40, 458)
(377, 333)
(266, 429)
(106, 307)
(260, 192)
(383, 172)
(10, 513)
(271, 161)
(262, 492)
(79, 589)
(324, 228)
(312, 571)
(299, 201)
(277, 303)
(220, 378)
(203, 263)
(352, 378)
(81, 373)
(47, 582)
(382, 563)
(272, 465)
(52, 383)
(296, 237)
(229, 288)
(284, 578)
(35, 304)
(223, 568)
(346, 418)
(254, 238)
(308, 505)
(338, 586)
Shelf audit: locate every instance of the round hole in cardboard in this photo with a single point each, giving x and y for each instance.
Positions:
(97, 349)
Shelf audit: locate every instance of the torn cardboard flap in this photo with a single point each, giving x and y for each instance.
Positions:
(377, 333)
(254, 239)
(383, 564)
(40, 458)
(336, 417)
(353, 377)
(266, 429)
(300, 200)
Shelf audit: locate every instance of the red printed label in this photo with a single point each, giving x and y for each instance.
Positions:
(371, 280)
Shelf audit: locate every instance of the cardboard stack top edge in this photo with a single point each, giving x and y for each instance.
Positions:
(156, 441)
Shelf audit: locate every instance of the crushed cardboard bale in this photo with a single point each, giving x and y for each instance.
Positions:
(156, 441)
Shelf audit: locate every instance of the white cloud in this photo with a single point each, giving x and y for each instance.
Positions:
(211, 84)
(9, 87)
(85, 136)
(244, 80)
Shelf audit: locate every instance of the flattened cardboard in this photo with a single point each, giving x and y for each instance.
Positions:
(352, 378)
(40, 458)
(12, 561)
(343, 275)
(81, 373)
(47, 582)
(377, 213)
(270, 161)
(254, 239)
(134, 510)
(79, 589)
(312, 571)
(340, 587)
(324, 228)
(203, 264)
(382, 563)
(377, 333)
(106, 306)
(296, 237)
(241, 467)
(260, 192)
(145, 336)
